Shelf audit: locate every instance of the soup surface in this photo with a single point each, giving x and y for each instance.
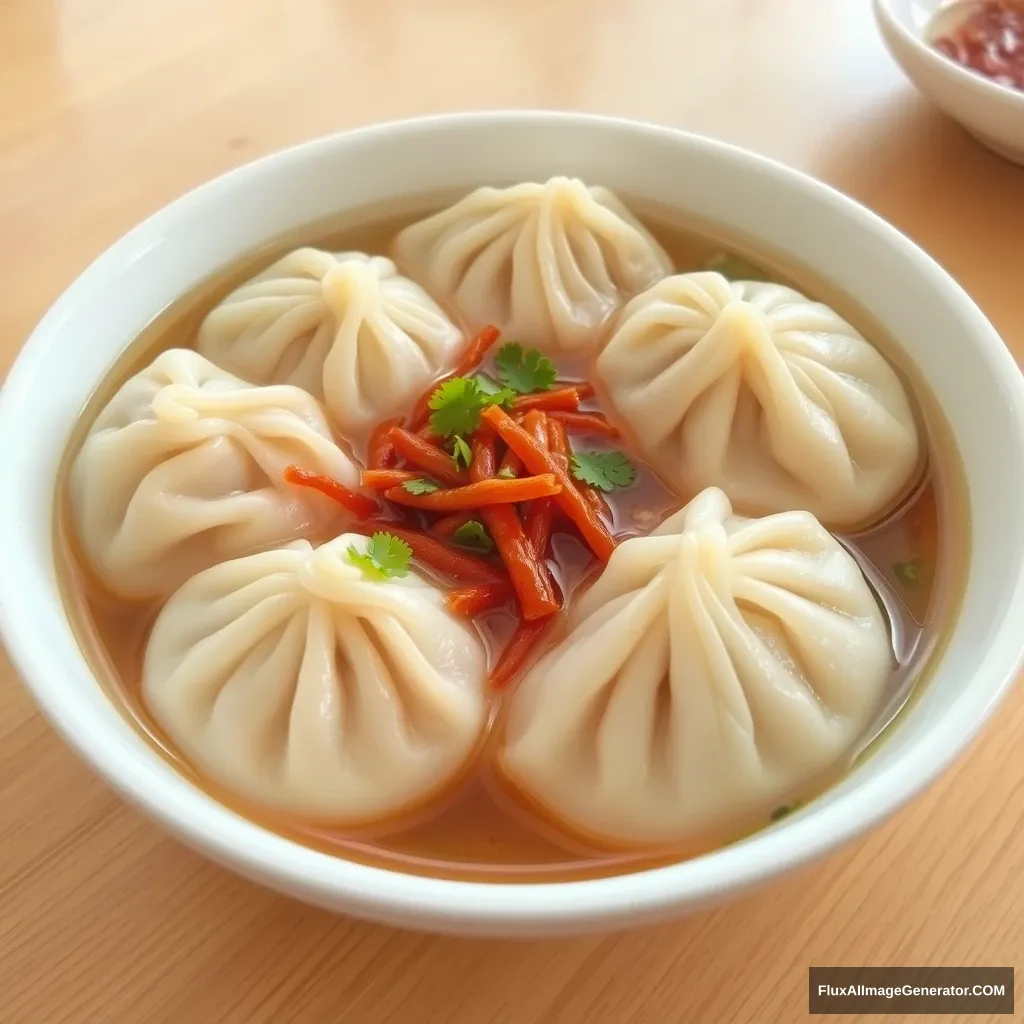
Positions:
(478, 828)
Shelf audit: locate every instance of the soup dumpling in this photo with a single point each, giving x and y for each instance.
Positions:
(547, 263)
(345, 327)
(756, 389)
(184, 467)
(713, 668)
(298, 683)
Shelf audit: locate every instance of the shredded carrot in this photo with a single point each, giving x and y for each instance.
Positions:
(477, 495)
(537, 598)
(587, 422)
(562, 400)
(473, 601)
(471, 359)
(477, 349)
(429, 436)
(447, 525)
(381, 453)
(356, 503)
(537, 526)
(530, 578)
(538, 515)
(538, 460)
(595, 500)
(558, 441)
(383, 479)
(421, 414)
(585, 390)
(561, 448)
(444, 558)
(535, 423)
(424, 455)
(511, 464)
(517, 651)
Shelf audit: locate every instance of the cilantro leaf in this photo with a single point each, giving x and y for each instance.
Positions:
(486, 385)
(524, 371)
(474, 535)
(603, 470)
(507, 473)
(420, 486)
(456, 406)
(735, 268)
(908, 573)
(457, 403)
(505, 397)
(387, 557)
(494, 393)
(462, 454)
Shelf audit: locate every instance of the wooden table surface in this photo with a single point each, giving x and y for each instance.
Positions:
(111, 108)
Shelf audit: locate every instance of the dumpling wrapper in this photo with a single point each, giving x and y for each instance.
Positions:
(756, 389)
(184, 468)
(714, 667)
(346, 327)
(306, 688)
(546, 263)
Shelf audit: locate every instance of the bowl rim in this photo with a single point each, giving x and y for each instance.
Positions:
(983, 87)
(441, 904)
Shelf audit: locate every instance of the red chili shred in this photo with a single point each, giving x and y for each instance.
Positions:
(990, 42)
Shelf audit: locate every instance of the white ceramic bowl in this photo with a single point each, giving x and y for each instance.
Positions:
(959, 354)
(993, 114)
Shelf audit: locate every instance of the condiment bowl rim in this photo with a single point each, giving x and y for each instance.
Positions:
(983, 88)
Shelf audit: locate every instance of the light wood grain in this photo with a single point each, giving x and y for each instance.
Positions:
(110, 108)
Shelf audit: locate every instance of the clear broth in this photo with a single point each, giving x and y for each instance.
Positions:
(477, 829)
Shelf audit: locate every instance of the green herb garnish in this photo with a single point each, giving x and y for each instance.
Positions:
(421, 485)
(387, 557)
(474, 536)
(735, 268)
(462, 454)
(507, 473)
(526, 370)
(603, 470)
(908, 573)
(780, 812)
(496, 394)
(456, 405)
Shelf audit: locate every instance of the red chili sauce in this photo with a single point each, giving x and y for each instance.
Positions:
(989, 41)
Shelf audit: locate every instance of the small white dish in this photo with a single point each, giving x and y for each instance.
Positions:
(992, 113)
(938, 328)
